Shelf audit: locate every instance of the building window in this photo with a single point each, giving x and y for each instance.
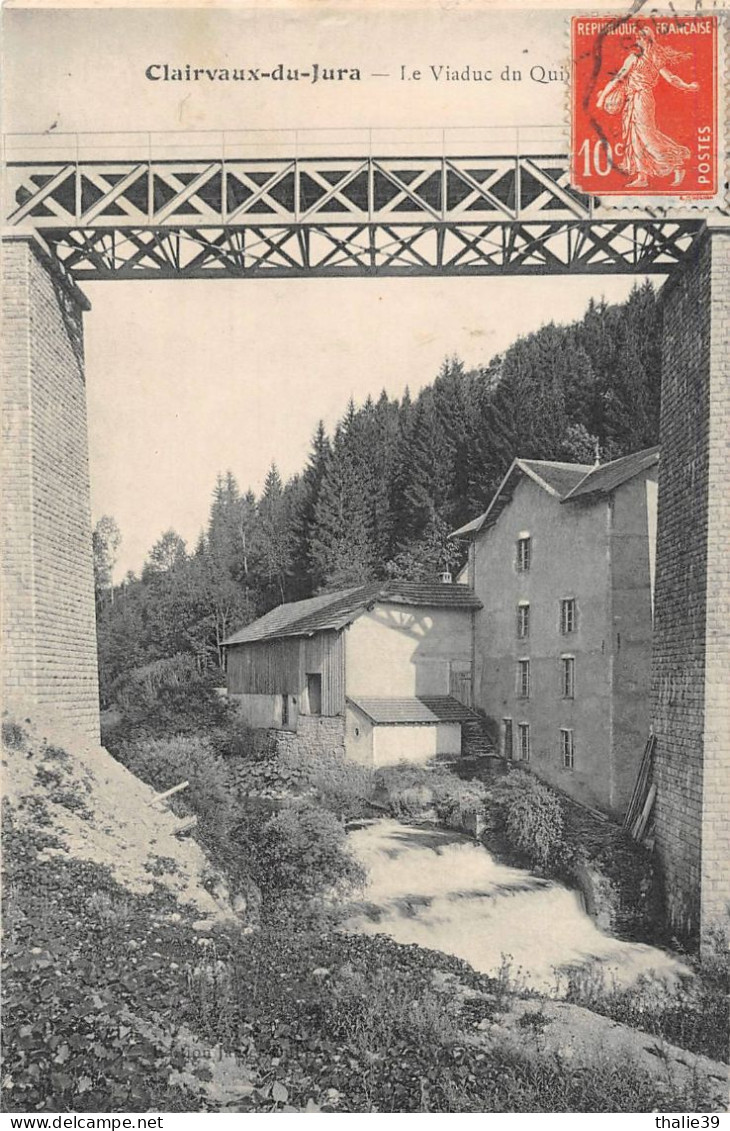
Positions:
(507, 739)
(523, 679)
(523, 731)
(567, 677)
(567, 749)
(567, 615)
(524, 553)
(523, 620)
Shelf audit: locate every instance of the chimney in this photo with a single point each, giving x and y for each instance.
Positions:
(446, 577)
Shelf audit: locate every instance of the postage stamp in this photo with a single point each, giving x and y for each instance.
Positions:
(644, 97)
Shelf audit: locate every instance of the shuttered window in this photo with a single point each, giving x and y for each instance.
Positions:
(567, 748)
(523, 731)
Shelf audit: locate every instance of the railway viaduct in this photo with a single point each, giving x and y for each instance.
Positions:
(251, 207)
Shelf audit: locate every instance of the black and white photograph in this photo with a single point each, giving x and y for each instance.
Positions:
(365, 530)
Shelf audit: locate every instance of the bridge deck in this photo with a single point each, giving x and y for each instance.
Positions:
(338, 203)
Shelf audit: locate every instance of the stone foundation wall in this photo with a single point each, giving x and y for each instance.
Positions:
(315, 735)
(49, 629)
(690, 658)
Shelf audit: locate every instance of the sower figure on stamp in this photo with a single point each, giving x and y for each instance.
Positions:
(647, 151)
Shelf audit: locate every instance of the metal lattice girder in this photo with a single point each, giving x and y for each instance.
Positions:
(282, 251)
(328, 216)
(372, 189)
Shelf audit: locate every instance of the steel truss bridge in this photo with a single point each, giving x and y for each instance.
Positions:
(336, 204)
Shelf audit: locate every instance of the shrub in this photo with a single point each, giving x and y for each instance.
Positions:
(416, 791)
(302, 849)
(164, 763)
(14, 737)
(455, 799)
(163, 698)
(529, 816)
(338, 784)
(405, 790)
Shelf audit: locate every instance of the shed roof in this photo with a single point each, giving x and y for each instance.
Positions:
(430, 709)
(332, 611)
(564, 481)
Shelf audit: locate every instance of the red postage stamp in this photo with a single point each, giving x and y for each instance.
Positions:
(645, 106)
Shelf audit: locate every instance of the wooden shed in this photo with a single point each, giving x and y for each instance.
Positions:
(389, 641)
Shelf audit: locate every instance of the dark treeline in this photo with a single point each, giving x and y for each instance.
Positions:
(379, 497)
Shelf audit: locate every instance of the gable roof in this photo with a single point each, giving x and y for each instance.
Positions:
(564, 481)
(412, 709)
(607, 476)
(558, 478)
(332, 611)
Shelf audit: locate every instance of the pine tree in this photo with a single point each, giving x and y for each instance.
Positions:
(306, 576)
(341, 543)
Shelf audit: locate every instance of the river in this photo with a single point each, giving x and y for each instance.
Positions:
(444, 891)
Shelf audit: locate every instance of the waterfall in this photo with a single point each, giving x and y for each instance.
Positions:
(443, 891)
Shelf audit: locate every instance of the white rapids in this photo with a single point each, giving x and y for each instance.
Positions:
(443, 891)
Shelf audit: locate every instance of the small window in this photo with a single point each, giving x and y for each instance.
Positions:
(567, 677)
(314, 693)
(567, 615)
(523, 679)
(523, 620)
(524, 553)
(523, 731)
(285, 710)
(567, 749)
(507, 740)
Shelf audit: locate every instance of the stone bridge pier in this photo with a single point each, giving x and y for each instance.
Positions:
(49, 631)
(50, 668)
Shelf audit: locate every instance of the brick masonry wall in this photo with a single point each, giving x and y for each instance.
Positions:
(689, 706)
(715, 878)
(49, 631)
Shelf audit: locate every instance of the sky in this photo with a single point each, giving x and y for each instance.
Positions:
(186, 381)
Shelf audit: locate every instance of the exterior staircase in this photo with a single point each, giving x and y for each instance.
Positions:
(475, 738)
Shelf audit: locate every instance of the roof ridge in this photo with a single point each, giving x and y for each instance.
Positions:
(553, 462)
(629, 455)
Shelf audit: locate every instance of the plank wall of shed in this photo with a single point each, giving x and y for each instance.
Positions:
(280, 667)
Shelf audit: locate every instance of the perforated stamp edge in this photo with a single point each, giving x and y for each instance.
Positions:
(663, 204)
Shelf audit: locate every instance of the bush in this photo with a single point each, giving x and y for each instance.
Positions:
(415, 791)
(343, 786)
(163, 698)
(529, 816)
(301, 850)
(164, 763)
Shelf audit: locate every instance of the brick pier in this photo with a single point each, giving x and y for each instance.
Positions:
(49, 630)
(691, 705)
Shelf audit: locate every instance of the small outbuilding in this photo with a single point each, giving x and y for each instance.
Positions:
(379, 672)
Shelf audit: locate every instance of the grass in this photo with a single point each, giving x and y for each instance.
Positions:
(695, 1016)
